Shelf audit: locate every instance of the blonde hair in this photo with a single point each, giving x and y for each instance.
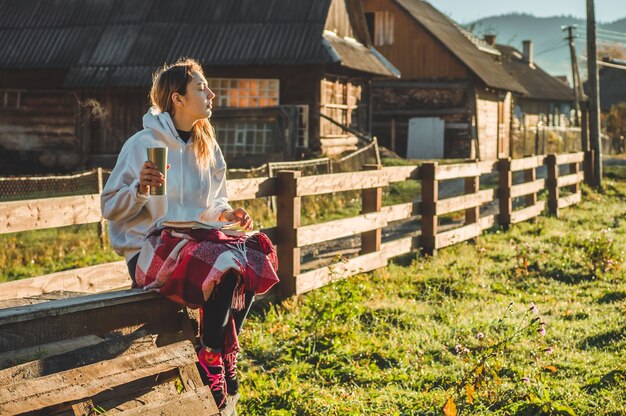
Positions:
(174, 78)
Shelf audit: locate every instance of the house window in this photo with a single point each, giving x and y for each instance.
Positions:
(243, 92)
(380, 25)
(239, 138)
(11, 99)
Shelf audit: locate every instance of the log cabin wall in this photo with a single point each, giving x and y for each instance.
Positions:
(414, 51)
(38, 131)
(394, 103)
(434, 84)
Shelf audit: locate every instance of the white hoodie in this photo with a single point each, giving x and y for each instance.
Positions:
(192, 194)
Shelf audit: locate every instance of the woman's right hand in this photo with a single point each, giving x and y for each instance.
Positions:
(149, 176)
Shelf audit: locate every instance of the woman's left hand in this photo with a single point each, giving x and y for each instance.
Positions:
(238, 215)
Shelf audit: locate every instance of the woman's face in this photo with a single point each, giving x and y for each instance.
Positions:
(196, 103)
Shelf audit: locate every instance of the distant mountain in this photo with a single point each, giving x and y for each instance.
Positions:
(551, 50)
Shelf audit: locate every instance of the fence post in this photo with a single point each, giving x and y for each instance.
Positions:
(472, 186)
(372, 200)
(588, 167)
(428, 208)
(102, 223)
(575, 168)
(530, 175)
(288, 218)
(552, 184)
(504, 192)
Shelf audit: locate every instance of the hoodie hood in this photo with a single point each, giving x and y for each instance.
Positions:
(162, 127)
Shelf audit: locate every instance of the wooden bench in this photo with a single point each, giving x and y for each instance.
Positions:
(128, 352)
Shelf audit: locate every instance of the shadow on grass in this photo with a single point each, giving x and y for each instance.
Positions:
(611, 340)
(612, 297)
(571, 277)
(609, 380)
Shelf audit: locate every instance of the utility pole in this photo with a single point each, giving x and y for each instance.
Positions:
(575, 73)
(594, 95)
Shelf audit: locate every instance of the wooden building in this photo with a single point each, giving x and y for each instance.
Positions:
(549, 100)
(542, 120)
(291, 78)
(454, 98)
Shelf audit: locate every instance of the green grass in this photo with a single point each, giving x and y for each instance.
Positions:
(383, 343)
(38, 252)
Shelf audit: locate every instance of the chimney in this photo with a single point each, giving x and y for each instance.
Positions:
(490, 39)
(528, 52)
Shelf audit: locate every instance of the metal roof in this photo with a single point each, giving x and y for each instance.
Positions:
(116, 42)
(539, 84)
(481, 63)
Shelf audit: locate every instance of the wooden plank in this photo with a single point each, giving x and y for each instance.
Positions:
(527, 213)
(84, 408)
(92, 279)
(457, 171)
(458, 203)
(568, 200)
(190, 377)
(570, 158)
(487, 222)
(398, 247)
(523, 189)
(400, 211)
(571, 179)
(315, 279)
(458, 235)
(252, 188)
(487, 166)
(330, 230)
(114, 346)
(338, 182)
(196, 402)
(87, 381)
(71, 305)
(526, 163)
(35, 214)
(401, 173)
(54, 348)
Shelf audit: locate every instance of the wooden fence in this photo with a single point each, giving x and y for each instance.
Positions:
(290, 236)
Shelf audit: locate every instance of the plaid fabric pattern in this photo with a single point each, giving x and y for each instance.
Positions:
(186, 264)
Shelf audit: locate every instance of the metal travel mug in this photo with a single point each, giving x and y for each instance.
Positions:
(158, 156)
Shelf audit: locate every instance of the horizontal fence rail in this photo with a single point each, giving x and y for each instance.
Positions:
(472, 212)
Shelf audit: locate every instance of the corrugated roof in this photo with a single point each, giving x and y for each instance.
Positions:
(442, 28)
(113, 42)
(539, 84)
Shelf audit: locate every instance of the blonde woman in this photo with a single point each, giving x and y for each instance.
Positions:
(196, 190)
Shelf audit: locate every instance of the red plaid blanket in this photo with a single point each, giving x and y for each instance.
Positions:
(185, 264)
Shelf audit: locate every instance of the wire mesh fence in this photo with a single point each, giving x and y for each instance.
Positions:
(91, 182)
(38, 187)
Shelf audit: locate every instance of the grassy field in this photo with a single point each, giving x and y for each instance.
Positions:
(529, 321)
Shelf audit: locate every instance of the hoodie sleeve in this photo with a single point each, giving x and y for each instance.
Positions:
(120, 201)
(218, 201)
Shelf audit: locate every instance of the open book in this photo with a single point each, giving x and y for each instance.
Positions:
(225, 227)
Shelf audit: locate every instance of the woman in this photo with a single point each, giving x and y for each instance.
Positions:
(196, 190)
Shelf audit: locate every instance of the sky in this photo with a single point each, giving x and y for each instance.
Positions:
(466, 11)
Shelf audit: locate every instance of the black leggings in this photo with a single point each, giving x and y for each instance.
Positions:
(216, 310)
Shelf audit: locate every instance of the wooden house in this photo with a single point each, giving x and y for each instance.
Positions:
(454, 98)
(291, 78)
(549, 100)
(543, 119)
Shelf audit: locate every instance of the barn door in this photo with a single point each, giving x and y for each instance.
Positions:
(425, 138)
